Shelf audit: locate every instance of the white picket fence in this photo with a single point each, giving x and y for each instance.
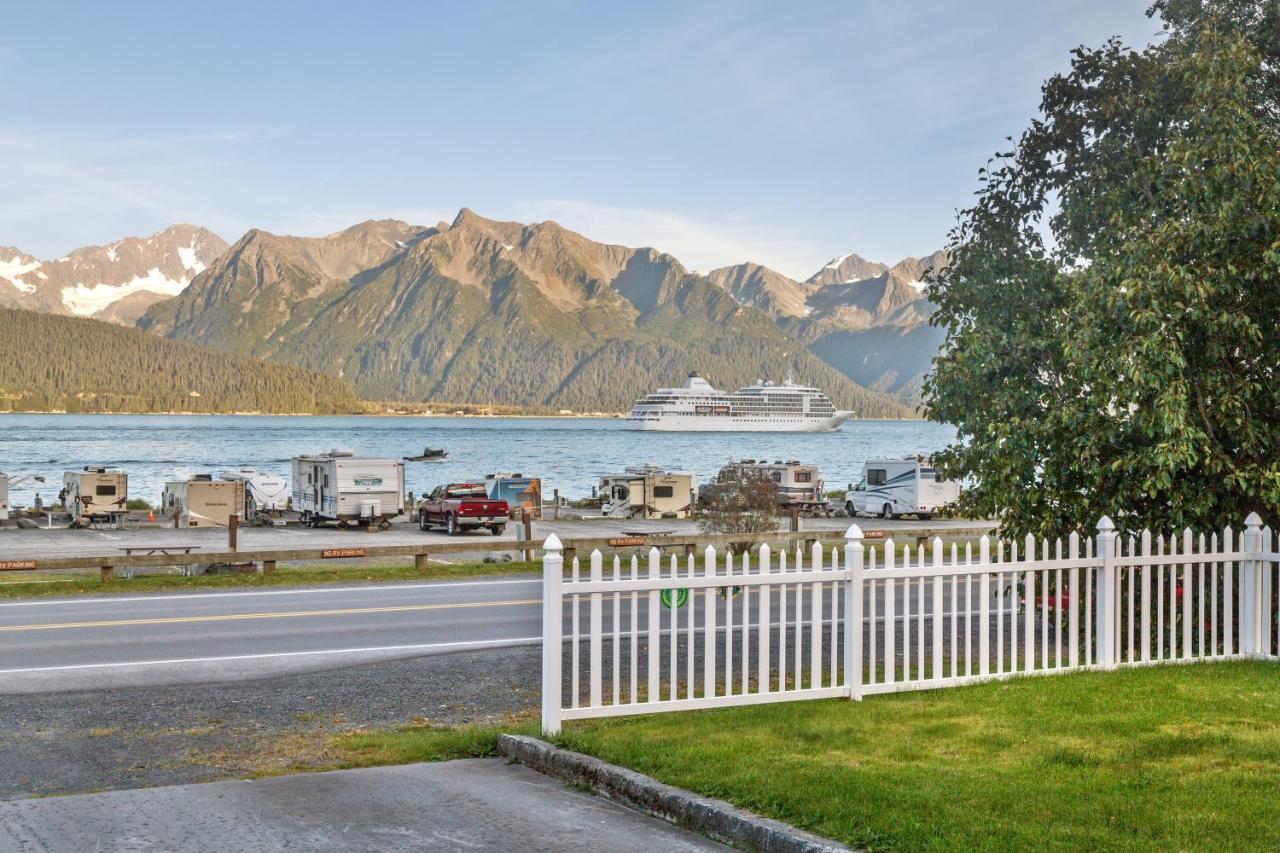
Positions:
(783, 626)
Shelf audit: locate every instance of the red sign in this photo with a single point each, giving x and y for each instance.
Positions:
(331, 553)
(873, 534)
(627, 541)
(16, 565)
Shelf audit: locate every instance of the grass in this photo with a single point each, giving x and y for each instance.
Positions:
(423, 743)
(1169, 757)
(66, 583)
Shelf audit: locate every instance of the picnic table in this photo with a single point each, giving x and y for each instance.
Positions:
(148, 550)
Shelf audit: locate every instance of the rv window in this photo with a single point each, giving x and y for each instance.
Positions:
(326, 481)
(664, 491)
(619, 493)
(804, 477)
(875, 477)
(777, 476)
(104, 491)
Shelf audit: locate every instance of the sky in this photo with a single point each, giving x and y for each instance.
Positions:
(779, 133)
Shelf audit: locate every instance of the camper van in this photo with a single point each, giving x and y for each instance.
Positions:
(893, 487)
(202, 501)
(647, 492)
(520, 492)
(337, 486)
(95, 495)
(799, 486)
(266, 496)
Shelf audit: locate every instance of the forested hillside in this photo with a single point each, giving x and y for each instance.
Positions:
(50, 362)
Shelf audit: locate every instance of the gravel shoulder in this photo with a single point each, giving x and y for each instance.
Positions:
(81, 741)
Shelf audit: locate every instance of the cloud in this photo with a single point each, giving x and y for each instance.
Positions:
(700, 242)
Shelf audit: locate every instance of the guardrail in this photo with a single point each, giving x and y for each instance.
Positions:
(268, 558)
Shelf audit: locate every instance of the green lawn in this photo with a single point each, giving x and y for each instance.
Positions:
(1171, 757)
(73, 583)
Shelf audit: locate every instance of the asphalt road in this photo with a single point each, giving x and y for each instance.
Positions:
(78, 643)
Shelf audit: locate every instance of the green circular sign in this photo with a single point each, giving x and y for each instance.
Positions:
(682, 595)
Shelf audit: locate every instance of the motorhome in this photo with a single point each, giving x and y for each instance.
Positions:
(338, 486)
(647, 492)
(202, 501)
(893, 487)
(266, 496)
(520, 492)
(95, 495)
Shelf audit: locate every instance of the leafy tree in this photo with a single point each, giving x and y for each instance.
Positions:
(1112, 344)
(739, 500)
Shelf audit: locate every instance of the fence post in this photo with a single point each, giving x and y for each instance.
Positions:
(552, 628)
(1104, 591)
(853, 557)
(1250, 600)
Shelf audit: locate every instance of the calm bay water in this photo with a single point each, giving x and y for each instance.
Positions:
(570, 454)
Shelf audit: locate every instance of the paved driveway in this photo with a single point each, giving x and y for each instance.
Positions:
(483, 804)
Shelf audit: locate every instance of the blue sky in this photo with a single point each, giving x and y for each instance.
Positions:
(779, 133)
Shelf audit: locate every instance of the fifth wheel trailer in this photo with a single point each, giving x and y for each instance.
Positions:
(338, 486)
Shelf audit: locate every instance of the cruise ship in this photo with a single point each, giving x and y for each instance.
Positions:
(696, 406)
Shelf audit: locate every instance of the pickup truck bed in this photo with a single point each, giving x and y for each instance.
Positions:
(459, 507)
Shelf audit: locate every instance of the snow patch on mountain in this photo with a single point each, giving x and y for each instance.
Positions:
(87, 300)
(11, 269)
(189, 259)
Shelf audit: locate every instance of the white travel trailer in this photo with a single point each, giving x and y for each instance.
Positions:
(647, 492)
(337, 486)
(266, 496)
(798, 485)
(95, 495)
(202, 501)
(894, 487)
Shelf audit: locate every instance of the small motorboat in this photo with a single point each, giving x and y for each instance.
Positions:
(429, 454)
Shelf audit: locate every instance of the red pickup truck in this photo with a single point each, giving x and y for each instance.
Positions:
(462, 506)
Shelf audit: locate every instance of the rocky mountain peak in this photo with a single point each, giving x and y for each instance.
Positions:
(116, 281)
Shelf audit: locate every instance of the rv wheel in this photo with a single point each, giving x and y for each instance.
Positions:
(384, 524)
(886, 511)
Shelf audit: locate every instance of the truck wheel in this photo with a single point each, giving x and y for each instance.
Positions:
(450, 525)
(886, 511)
(422, 521)
(849, 510)
(497, 529)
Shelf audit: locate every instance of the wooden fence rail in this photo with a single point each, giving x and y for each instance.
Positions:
(269, 557)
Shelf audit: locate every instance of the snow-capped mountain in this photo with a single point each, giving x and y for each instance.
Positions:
(116, 282)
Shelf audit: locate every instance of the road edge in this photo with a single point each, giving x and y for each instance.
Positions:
(712, 818)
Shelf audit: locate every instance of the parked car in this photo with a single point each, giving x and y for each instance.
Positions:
(462, 506)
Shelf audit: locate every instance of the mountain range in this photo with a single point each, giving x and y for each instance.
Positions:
(116, 282)
(479, 310)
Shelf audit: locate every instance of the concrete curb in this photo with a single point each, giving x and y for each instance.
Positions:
(715, 819)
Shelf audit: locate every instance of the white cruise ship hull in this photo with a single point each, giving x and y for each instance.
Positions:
(672, 422)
